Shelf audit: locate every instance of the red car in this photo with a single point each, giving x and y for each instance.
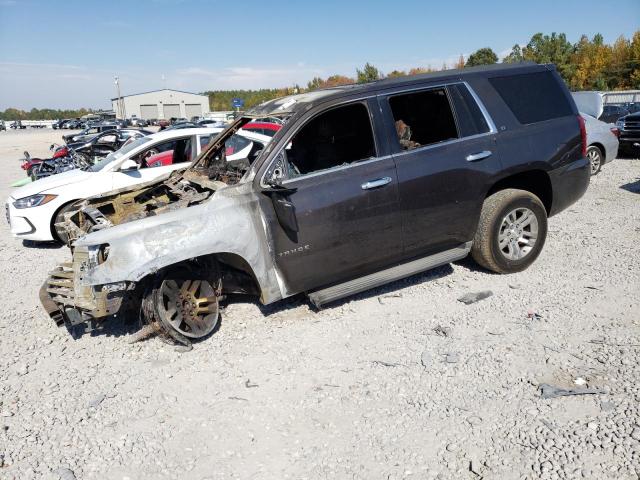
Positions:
(264, 128)
(161, 159)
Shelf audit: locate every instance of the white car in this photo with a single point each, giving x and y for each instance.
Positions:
(602, 142)
(33, 210)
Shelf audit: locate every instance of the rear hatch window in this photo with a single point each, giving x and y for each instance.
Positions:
(533, 97)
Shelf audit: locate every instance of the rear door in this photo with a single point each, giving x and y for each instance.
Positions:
(343, 193)
(445, 155)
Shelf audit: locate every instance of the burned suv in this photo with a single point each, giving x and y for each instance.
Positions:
(362, 185)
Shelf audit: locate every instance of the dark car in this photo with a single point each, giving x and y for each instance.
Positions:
(89, 132)
(73, 124)
(363, 185)
(629, 133)
(108, 141)
(611, 113)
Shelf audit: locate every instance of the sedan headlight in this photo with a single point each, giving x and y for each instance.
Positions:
(33, 200)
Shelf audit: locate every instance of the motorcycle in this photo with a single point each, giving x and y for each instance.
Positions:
(29, 163)
(53, 166)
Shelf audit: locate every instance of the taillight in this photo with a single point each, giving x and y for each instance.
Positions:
(583, 134)
(615, 131)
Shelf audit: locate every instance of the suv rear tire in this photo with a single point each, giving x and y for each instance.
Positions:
(511, 231)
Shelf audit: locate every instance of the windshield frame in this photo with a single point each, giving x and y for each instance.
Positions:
(119, 155)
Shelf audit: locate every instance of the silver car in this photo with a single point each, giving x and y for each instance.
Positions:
(602, 142)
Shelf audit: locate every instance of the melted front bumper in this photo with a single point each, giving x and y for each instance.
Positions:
(80, 307)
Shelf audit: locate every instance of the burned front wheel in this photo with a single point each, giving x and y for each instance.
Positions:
(184, 301)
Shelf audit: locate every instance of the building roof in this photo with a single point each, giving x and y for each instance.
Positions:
(160, 90)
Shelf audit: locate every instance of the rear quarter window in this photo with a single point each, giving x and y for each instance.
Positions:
(533, 97)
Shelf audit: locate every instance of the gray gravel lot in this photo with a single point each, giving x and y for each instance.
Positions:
(401, 382)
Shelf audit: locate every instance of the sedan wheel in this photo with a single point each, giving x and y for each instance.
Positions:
(595, 158)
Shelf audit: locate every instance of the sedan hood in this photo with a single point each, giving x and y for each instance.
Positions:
(54, 181)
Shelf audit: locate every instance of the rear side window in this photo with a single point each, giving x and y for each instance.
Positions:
(471, 121)
(423, 118)
(533, 97)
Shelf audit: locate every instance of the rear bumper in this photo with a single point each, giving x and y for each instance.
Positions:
(628, 140)
(569, 183)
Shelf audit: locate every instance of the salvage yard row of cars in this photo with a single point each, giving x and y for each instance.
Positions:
(358, 186)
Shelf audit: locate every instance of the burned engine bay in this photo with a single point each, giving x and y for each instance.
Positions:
(208, 173)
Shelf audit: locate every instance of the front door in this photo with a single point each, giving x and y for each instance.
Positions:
(344, 201)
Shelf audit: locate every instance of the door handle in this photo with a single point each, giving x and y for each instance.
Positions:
(474, 157)
(380, 182)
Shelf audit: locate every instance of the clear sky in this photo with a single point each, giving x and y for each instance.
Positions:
(65, 53)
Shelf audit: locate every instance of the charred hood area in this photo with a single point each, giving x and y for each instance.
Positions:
(209, 172)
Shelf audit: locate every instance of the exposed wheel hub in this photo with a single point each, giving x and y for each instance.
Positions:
(186, 306)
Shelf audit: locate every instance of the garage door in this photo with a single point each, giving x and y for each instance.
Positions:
(171, 111)
(149, 112)
(193, 110)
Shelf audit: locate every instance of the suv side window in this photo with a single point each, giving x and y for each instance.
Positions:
(471, 121)
(423, 118)
(340, 136)
(533, 97)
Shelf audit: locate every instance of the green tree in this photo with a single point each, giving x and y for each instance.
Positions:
(552, 48)
(315, 83)
(369, 73)
(483, 56)
(515, 56)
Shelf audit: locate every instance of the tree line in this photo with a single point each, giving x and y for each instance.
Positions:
(588, 64)
(42, 114)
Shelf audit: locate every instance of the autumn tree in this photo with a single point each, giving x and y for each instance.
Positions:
(460, 63)
(483, 56)
(591, 61)
(634, 61)
(396, 74)
(419, 70)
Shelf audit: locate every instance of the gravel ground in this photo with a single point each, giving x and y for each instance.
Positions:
(401, 382)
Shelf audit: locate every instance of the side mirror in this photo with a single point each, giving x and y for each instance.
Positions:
(128, 166)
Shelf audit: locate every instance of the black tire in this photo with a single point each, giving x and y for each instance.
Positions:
(60, 235)
(596, 158)
(486, 249)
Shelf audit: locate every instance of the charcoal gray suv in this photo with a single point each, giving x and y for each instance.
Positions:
(362, 185)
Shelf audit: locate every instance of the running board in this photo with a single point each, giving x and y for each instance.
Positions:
(329, 294)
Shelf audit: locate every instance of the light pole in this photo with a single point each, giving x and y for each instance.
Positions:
(120, 109)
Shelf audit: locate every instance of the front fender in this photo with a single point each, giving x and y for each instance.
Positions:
(227, 223)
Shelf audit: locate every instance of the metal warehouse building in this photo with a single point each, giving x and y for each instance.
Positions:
(161, 104)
